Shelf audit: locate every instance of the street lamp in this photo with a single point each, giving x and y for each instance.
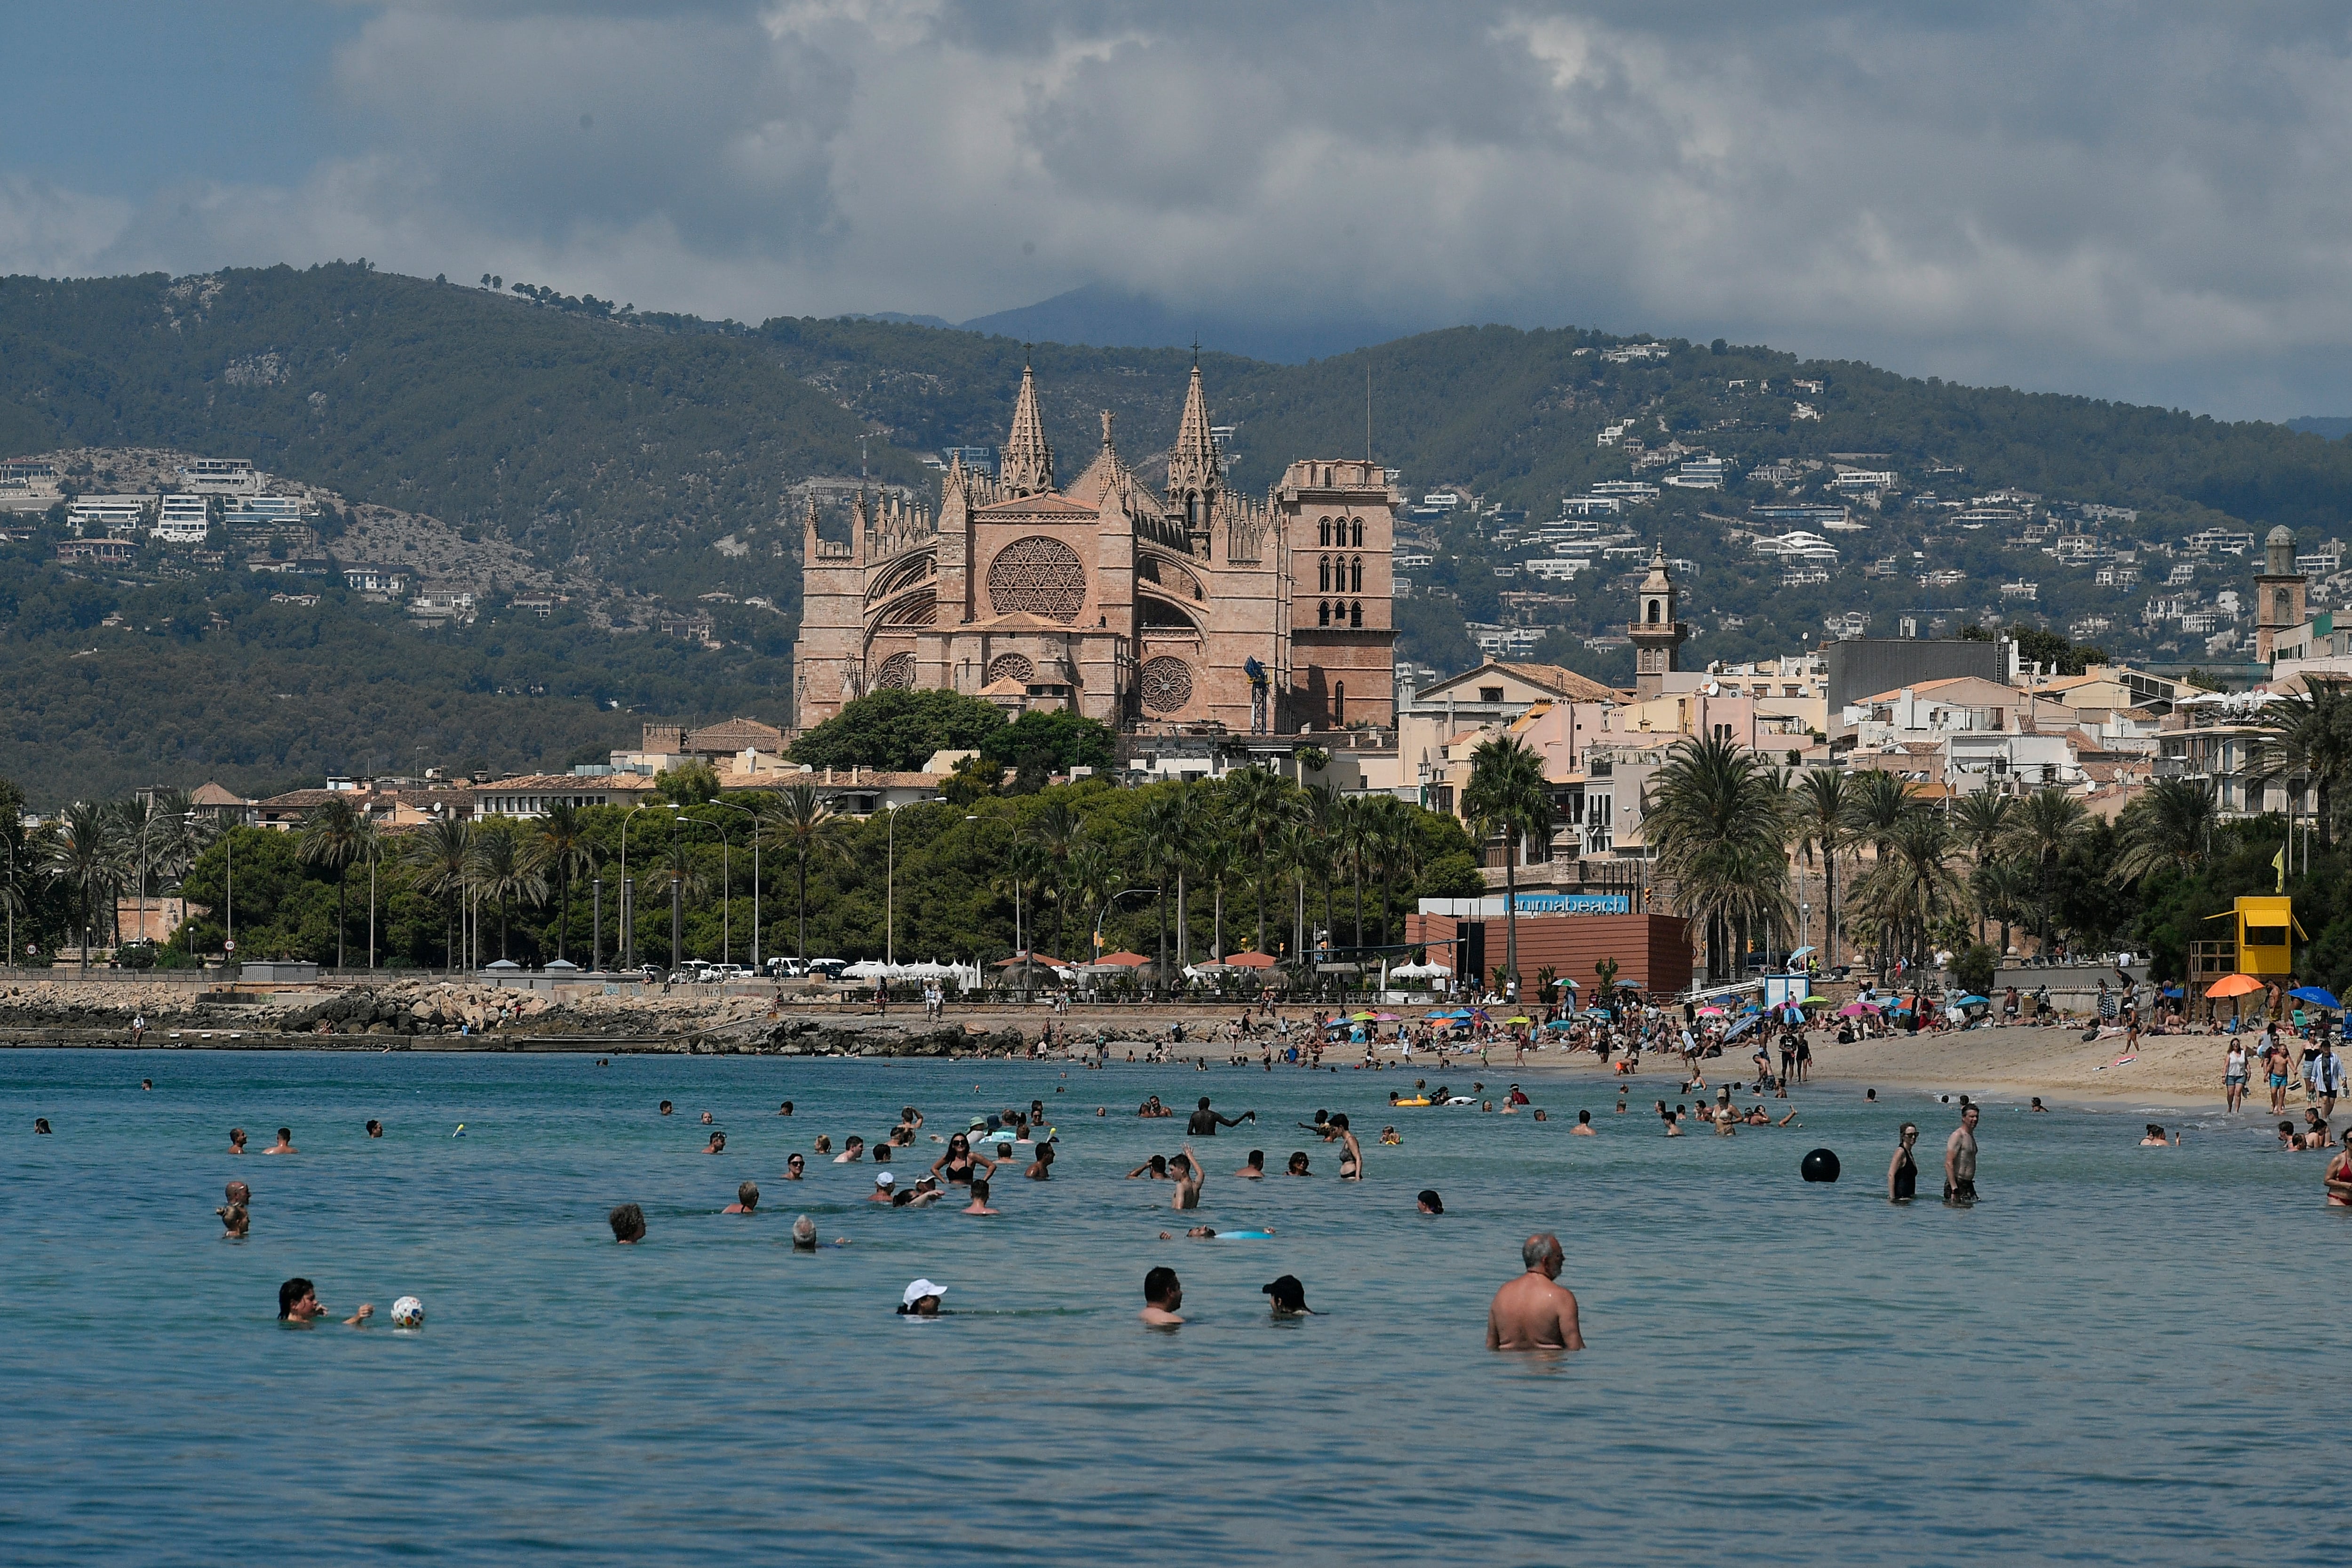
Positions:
(754, 818)
(726, 880)
(628, 903)
(890, 883)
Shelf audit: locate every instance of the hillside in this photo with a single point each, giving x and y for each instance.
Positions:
(653, 458)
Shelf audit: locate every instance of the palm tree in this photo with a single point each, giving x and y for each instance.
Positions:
(1160, 854)
(1214, 858)
(369, 852)
(806, 826)
(440, 860)
(2170, 827)
(1059, 828)
(2001, 889)
(331, 838)
(2049, 822)
(83, 854)
(1397, 842)
(1303, 850)
(1092, 876)
(565, 849)
(1257, 802)
(1717, 821)
(503, 869)
(1351, 833)
(1980, 820)
(1507, 799)
(1913, 885)
(1319, 809)
(2311, 743)
(1025, 864)
(1824, 797)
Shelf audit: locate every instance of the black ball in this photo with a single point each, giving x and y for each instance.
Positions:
(1821, 1165)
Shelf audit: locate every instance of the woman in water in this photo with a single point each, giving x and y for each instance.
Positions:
(956, 1166)
(1903, 1172)
(1298, 1164)
(2339, 1176)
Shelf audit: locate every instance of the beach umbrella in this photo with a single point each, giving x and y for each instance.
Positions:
(1711, 1011)
(2318, 997)
(1969, 1002)
(2233, 986)
(1559, 1024)
(1518, 1020)
(1629, 985)
(1252, 960)
(1387, 1018)
(1437, 1014)
(1564, 980)
(2174, 991)
(1360, 1017)
(1857, 1009)
(1123, 960)
(1814, 1002)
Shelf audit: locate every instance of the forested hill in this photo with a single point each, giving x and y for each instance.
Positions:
(654, 453)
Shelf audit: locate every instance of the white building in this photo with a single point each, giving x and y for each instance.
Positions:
(108, 514)
(276, 511)
(181, 519)
(221, 476)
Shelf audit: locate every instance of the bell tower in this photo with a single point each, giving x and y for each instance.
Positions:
(1657, 636)
(2279, 592)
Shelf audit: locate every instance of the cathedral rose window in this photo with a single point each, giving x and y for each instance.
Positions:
(1166, 684)
(1040, 575)
(896, 673)
(1011, 666)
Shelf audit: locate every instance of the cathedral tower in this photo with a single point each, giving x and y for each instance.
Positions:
(1657, 636)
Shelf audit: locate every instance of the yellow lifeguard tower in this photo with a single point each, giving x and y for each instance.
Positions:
(2265, 928)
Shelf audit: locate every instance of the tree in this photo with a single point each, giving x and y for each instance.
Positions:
(897, 730)
(688, 784)
(2170, 827)
(2049, 823)
(1980, 820)
(1160, 854)
(1069, 739)
(1822, 798)
(1718, 821)
(2310, 743)
(82, 858)
(806, 824)
(330, 841)
(1258, 803)
(1059, 828)
(440, 860)
(503, 870)
(1507, 799)
(565, 849)
(1352, 831)
(1913, 885)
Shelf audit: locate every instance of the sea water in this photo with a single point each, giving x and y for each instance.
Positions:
(2120, 1355)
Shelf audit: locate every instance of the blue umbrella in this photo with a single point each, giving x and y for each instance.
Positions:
(1971, 1001)
(2318, 997)
(2172, 991)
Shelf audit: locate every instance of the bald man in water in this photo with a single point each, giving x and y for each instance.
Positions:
(1534, 1311)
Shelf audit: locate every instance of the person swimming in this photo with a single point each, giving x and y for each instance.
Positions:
(1254, 1168)
(920, 1300)
(747, 1200)
(1289, 1297)
(1902, 1170)
(234, 1212)
(629, 1223)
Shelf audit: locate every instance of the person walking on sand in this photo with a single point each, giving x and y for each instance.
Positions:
(1535, 1311)
(1960, 1160)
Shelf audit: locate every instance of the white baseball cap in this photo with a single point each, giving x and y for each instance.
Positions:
(884, 1178)
(919, 1289)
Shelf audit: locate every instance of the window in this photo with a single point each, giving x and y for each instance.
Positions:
(1323, 575)
(1339, 704)
(2283, 607)
(1323, 531)
(1653, 616)
(1323, 613)
(1359, 531)
(1356, 574)
(1490, 694)
(1356, 614)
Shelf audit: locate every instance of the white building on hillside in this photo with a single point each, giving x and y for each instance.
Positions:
(181, 519)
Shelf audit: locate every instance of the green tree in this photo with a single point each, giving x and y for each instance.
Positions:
(806, 826)
(1822, 798)
(1719, 820)
(897, 730)
(330, 839)
(439, 859)
(1257, 802)
(1069, 740)
(1981, 820)
(563, 848)
(504, 871)
(2049, 822)
(1507, 799)
(2170, 827)
(83, 857)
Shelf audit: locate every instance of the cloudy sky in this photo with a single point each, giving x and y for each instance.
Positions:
(2145, 201)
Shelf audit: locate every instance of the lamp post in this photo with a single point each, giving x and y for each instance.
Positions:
(890, 884)
(596, 924)
(1108, 904)
(754, 818)
(628, 933)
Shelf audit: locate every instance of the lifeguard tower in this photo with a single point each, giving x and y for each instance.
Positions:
(2264, 929)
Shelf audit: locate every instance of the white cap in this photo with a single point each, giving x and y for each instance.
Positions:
(884, 1178)
(919, 1289)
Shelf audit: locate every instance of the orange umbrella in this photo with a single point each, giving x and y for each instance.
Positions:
(1252, 959)
(2233, 986)
(1126, 960)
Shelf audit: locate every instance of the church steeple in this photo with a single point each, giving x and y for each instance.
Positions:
(1657, 636)
(1194, 474)
(1026, 467)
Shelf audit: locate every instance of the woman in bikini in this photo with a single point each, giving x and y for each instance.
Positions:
(956, 1166)
(2339, 1176)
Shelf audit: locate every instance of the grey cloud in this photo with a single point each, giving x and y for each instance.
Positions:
(2136, 200)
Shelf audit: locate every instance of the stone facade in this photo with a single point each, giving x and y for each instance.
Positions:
(1140, 610)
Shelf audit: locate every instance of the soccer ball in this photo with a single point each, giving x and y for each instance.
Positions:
(408, 1312)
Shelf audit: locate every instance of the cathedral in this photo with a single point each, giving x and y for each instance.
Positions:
(1194, 607)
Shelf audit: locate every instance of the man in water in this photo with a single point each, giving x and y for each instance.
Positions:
(1164, 1293)
(747, 1200)
(1041, 1169)
(851, 1150)
(1189, 1173)
(1960, 1160)
(285, 1144)
(1902, 1170)
(1583, 1128)
(297, 1303)
(665, 1108)
(235, 1214)
(978, 1204)
(1254, 1168)
(374, 1128)
(629, 1223)
(1429, 1202)
(1204, 1122)
(1534, 1311)
(884, 1181)
(804, 1235)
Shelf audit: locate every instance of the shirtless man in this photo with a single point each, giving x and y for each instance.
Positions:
(1254, 1168)
(1583, 1128)
(1534, 1311)
(1960, 1160)
(851, 1151)
(1164, 1293)
(1902, 1170)
(297, 1304)
(1351, 1156)
(1204, 1122)
(747, 1200)
(1186, 1168)
(285, 1144)
(236, 1213)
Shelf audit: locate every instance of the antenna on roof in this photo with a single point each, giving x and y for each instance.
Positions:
(1368, 412)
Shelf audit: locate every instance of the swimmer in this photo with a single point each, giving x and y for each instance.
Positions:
(1429, 1202)
(285, 1144)
(2037, 1106)
(1902, 1170)
(138, 1027)
(1541, 1115)
(1960, 1160)
(786, 1108)
(979, 1204)
(297, 1303)
(374, 1128)
(1352, 1158)
(885, 1183)
(235, 1216)
(629, 1223)
(796, 1167)
(1390, 1138)
(804, 1236)
(851, 1151)
(2288, 1140)
(1535, 1311)
(1164, 1293)
(1189, 1173)
(2337, 1180)
(1041, 1169)
(718, 1143)
(1198, 1232)
(1298, 1164)
(1254, 1168)
(1583, 1128)
(2155, 1139)
(823, 1144)
(1204, 1122)
(236, 1140)
(1289, 1297)
(920, 1300)
(747, 1200)
(665, 1108)
(924, 1192)
(1870, 1096)
(1154, 1168)
(706, 1119)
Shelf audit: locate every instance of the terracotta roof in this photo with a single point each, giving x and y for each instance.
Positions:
(1565, 681)
(1005, 686)
(572, 783)
(1922, 687)
(211, 794)
(736, 735)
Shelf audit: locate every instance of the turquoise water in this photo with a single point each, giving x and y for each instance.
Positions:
(2122, 1356)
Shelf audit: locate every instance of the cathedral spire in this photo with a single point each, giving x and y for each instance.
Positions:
(1027, 466)
(1192, 465)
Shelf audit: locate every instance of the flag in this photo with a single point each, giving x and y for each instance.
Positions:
(2279, 861)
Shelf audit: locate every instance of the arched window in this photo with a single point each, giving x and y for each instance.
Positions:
(1323, 575)
(1356, 576)
(1323, 531)
(1359, 530)
(1323, 613)
(2283, 607)
(1338, 704)
(1356, 614)
(1654, 612)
